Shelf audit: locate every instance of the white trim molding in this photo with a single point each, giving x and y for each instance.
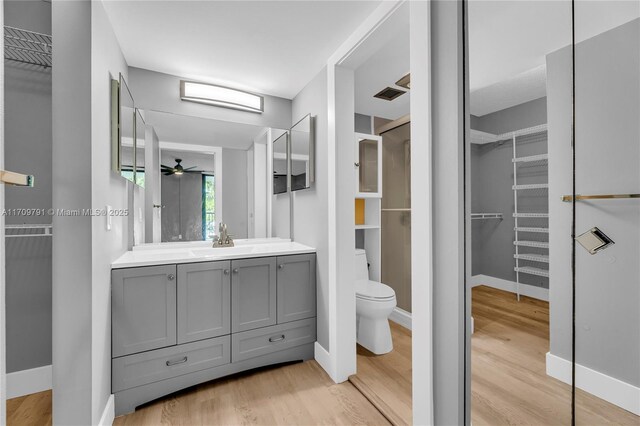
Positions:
(511, 286)
(612, 390)
(401, 317)
(30, 381)
(109, 413)
(322, 357)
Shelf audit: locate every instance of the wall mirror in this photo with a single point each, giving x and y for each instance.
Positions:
(201, 172)
(139, 156)
(280, 164)
(122, 129)
(302, 167)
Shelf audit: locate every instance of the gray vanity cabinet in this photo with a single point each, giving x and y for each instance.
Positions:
(296, 287)
(143, 309)
(204, 300)
(253, 293)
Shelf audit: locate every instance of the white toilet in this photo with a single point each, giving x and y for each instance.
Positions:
(374, 303)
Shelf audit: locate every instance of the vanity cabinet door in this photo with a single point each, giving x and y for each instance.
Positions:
(253, 293)
(296, 287)
(204, 300)
(143, 309)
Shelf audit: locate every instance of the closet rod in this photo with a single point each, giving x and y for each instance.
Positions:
(569, 198)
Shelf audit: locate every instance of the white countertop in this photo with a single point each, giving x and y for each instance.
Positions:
(201, 251)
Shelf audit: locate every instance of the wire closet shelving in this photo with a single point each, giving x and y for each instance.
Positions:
(27, 47)
(540, 160)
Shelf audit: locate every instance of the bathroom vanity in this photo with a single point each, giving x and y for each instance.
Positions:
(184, 314)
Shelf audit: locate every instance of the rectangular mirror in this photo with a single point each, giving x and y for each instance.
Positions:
(280, 164)
(201, 172)
(122, 130)
(139, 149)
(302, 154)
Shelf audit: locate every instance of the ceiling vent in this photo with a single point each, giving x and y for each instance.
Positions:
(405, 81)
(389, 94)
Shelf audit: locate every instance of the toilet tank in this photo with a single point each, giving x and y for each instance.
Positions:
(362, 270)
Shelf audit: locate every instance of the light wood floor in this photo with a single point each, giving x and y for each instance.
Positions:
(30, 410)
(296, 394)
(386, 379)
(509, 380)
(509, 384)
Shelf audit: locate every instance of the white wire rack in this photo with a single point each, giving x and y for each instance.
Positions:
(532, 229)
(542, 258)
(27, 47)
(531, 270)
(532, 215)
(28, 230)
(540, 160)
(479, 216)
(530, 186)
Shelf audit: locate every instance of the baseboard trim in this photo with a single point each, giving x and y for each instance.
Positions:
(323, 358)
(610, 389)
(510, 286)
(401, 317)
(109, 413)
(30, 381)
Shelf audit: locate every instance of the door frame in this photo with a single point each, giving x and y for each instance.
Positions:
(3, 358)
(340, 361)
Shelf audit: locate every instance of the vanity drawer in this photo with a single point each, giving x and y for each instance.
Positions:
(148, 367)
(253, 343)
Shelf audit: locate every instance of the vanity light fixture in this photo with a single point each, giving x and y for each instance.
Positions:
(226, 97)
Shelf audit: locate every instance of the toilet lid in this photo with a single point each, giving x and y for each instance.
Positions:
(368, 289)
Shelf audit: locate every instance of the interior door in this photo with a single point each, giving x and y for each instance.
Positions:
(606, 212)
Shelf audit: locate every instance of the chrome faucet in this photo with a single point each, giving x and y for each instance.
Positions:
(224, 238)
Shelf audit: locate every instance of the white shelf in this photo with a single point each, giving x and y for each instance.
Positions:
(365, 226)
(541, 159)
(531, 229)
(532, 271)
(28, 230)
(536, 244)
(531, 186)
(532, 215)
(476, 216)
(542, 258)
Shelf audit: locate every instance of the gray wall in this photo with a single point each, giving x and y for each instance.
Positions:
(71, 26)
(607, 133)
(491, 181)
(28, 148)
(234, 191)
(161, 92)
(447, 111)
(310, 205)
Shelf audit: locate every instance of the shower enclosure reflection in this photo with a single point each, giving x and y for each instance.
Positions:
(396, 213)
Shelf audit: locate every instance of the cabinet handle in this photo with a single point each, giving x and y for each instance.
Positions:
(177, 361)
(356, 164)
(226, 272)
(171, 277)
(281, 266)
(235, 271)
(276, 339)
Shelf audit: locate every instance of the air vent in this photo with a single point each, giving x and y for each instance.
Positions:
(389, 94)
(405, 81)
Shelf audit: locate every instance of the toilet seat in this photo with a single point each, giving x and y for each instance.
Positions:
(374, 290)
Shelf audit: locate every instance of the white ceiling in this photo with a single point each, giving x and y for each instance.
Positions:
(185, 129)
(270, 47)
(508, 42)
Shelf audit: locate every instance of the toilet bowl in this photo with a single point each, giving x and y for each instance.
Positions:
(374, 303)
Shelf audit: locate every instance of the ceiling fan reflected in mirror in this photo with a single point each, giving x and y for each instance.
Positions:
(178, 170)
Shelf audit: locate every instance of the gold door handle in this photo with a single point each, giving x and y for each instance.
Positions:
(18, 179)
(569, 198)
